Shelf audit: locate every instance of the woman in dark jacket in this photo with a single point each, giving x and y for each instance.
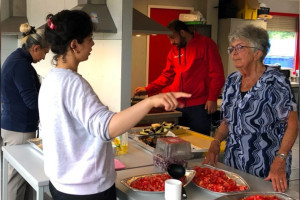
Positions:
(19, 98)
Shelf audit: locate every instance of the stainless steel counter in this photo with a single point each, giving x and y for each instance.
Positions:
(193, 192)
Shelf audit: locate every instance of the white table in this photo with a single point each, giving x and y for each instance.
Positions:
(29, 164)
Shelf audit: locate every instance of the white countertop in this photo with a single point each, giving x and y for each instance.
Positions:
(29, 162)
(136, 156)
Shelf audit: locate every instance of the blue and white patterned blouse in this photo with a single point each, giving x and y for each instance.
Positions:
(257, 122)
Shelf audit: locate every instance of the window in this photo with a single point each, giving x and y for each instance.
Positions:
(284, 36)
(282, 49)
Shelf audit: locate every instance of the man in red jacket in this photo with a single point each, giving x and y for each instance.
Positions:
(193, 66)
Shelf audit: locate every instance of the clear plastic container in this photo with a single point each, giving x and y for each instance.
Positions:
(173, 147)
(171, 150)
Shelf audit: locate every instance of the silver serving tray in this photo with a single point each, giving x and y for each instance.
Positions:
(237, 178)
(37, 144)
(239, 196)
(189, 174)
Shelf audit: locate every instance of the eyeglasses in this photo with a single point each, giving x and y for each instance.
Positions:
(237, 48)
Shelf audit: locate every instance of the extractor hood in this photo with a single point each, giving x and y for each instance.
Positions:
(142, 24)
(99, 12)
(17, 16)
(100, 15)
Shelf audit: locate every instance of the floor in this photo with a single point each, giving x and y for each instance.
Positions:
(294, 182)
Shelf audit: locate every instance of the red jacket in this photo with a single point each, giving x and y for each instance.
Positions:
(198, 70)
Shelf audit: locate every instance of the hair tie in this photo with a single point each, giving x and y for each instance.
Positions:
(51, 25)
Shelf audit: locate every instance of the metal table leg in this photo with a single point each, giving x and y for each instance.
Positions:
(5, 177)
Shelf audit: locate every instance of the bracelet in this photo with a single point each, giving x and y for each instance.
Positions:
(281, 155)
(217, 141)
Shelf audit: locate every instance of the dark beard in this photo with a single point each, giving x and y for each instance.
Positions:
(182, 42)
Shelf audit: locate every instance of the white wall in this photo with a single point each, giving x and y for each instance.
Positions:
(37, 10)
(103, 71)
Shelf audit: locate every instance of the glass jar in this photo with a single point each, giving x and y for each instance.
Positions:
(121, 144)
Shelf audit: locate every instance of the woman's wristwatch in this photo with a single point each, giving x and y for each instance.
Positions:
(281, 155)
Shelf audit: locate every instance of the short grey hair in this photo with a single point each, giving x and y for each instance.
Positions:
(256, 36)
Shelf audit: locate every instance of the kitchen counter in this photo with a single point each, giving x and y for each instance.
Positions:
(136, 156)
(193, 192)
(138, 161)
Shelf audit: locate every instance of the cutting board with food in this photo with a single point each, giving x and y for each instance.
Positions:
(197, 139)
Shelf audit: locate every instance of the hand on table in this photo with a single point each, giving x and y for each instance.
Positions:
(212, 154)
(277, 175)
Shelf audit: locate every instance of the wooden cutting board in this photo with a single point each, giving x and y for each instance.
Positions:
(197, 139)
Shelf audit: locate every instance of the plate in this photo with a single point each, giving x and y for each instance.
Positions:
(36, 143)
(239, 196)
(189, 174)
(237, 178)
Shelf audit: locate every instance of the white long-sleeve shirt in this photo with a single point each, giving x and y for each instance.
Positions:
(78, 155)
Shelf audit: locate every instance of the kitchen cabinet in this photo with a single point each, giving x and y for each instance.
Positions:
(225, 27)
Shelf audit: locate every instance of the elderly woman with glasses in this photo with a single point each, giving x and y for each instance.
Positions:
(260, 122)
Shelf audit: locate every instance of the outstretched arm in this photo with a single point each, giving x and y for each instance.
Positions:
(129, 117)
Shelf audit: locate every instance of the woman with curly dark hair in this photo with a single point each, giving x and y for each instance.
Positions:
(77, 128)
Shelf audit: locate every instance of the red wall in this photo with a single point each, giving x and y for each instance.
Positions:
(159, 45)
